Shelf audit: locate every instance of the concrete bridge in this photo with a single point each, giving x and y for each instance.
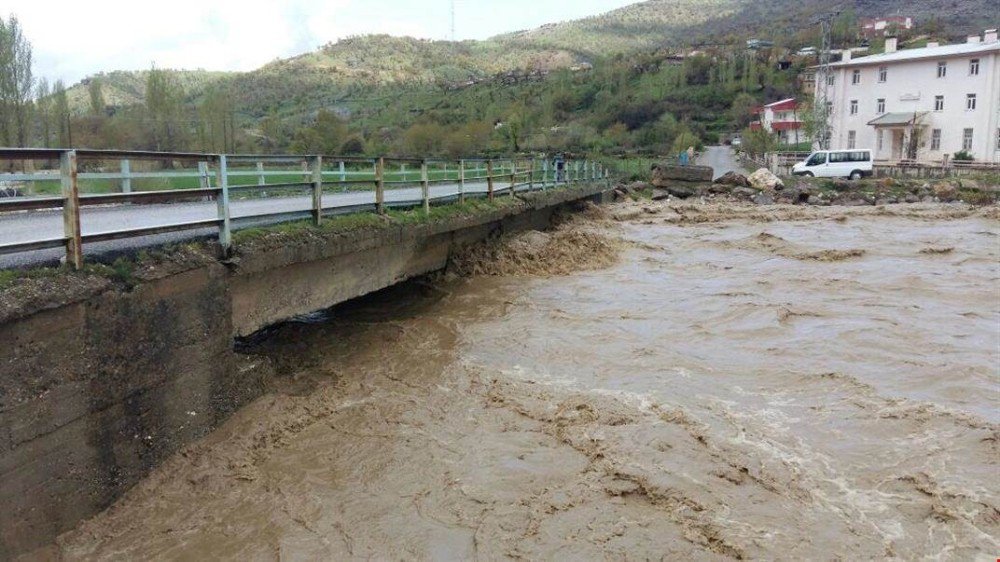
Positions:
(101, 385)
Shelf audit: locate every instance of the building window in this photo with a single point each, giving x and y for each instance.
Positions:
(830, 79)
(967, 139)
(880, 109)
(856, 77)
(829, 108)
(852, 138)
(938, 103)
(974, 67)
(970, 101)
(854, 107)
(998, 139)
(883, 73)
(878, 140)
(936, 139)
(942, 69)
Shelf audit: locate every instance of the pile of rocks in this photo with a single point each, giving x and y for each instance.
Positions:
(764, 188)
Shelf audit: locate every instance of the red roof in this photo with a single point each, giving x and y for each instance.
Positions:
(783, 105)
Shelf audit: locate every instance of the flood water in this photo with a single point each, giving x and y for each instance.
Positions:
(821, 386)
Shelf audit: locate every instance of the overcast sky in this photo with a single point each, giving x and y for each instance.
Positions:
(71, 40)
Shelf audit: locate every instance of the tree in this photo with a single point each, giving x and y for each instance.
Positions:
(326, 135)
(43, 104)
(742, 110)
(16, 83)
(217, 121)
(684, 140)
(64, 127)
(97, 104)
(164, 105)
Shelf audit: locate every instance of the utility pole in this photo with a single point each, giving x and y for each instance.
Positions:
(452, 21)
(821, 114)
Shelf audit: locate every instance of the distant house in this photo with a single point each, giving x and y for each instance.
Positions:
(781, 119)
(873, 27)
(754, 44)
(921, 104)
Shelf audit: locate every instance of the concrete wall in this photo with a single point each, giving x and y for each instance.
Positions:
(95, 393)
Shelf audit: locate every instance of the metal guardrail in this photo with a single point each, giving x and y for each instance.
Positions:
(514, 174)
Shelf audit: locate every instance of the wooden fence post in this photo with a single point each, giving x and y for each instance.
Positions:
(425, 188)
(489, 180)
(203, 175)
(461, 181)
(71, 209)
(513, 176)
(380, 185)
(126, 182)
(531, 174)
(222, 200)
(260, 174)
(317, 189)
(343, 172)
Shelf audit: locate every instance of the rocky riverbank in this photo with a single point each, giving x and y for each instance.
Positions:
(763, 188)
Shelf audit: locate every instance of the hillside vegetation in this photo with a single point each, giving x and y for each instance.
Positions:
(513, 91)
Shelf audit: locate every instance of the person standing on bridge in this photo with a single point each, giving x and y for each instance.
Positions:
(560, 166)
(682, 158)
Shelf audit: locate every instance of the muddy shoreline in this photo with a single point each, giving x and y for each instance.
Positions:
(738, 382)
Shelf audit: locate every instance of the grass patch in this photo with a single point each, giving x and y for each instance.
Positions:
(360, 221)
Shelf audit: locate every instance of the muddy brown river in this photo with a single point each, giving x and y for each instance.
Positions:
(742, 382)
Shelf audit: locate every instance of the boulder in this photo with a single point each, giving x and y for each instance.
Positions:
(763, 199)
(733, 179)
(637, 186)
(744, 193)
(681, 191)
(945, 190)
(764, 180)
(664, 174)
(660, 194)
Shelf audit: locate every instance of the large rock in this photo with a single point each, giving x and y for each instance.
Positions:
(733, 179)
(677, 190)
(945, 190)
(665, 174)
(764, 180)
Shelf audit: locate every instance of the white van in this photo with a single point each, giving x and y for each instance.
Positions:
(854, 164)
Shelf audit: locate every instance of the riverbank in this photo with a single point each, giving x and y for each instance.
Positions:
(742, 382)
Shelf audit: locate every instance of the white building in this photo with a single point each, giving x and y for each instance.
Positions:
(921, 104)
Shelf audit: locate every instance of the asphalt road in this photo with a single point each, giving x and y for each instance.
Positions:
(722, 159)
(39, 225)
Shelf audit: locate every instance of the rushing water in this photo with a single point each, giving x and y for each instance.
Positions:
(820, 387)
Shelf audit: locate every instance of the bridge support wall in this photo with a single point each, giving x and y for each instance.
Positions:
(96, 393)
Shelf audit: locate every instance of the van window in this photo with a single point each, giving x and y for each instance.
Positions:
(860, 156)
(816, 159)
(839, 157)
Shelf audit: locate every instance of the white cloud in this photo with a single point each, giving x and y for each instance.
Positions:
(74, 39)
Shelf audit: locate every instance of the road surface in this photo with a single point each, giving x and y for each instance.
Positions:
(722, 160)
(40, 225)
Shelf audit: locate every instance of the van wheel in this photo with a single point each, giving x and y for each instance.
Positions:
(809, 175)
(856, 175)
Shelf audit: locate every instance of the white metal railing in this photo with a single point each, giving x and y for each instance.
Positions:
(219, 177)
